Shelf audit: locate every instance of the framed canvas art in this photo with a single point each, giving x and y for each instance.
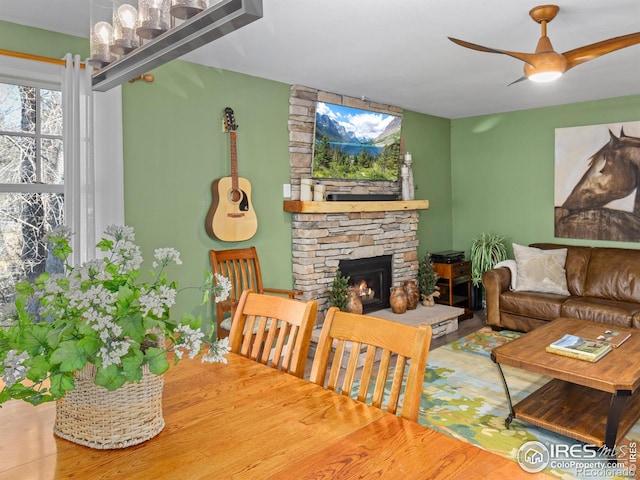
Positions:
(597, 182)
(351, 143)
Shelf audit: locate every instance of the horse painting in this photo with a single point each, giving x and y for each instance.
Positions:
(613, 173)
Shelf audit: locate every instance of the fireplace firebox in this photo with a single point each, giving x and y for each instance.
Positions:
(372, 279)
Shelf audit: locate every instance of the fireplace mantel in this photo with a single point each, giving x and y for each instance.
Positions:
(296, 206)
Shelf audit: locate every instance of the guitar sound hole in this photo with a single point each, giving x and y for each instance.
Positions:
(235, 195)
(241, 198)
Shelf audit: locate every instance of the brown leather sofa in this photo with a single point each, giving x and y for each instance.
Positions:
(604, 286)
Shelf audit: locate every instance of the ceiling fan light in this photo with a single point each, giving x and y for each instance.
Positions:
(548, 67)
(544, 77)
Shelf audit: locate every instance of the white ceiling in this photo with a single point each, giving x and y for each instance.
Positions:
(397, 51)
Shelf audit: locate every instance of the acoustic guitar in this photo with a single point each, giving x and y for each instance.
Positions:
(231, 217)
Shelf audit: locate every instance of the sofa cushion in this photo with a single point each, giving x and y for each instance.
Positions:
(540, 270)
(601, 310)
(613, 274)
(546, 306)
(576, 265)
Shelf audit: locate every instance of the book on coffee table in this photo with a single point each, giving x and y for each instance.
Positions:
(580, 348)
(603, 333)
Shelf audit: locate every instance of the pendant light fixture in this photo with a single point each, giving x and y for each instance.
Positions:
(125, 19)
(130, 37)
(101, 33)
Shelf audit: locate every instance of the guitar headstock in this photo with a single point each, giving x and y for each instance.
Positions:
(229, 120)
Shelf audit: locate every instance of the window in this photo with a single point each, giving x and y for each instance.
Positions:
(31, 181)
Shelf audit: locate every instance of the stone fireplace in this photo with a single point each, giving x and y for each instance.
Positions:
(371, 278)
(320, 241)
(326, 234)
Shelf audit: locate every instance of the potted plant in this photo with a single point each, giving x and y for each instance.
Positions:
(98, 326)
(486, 250)
(338, 296)
(427, 281)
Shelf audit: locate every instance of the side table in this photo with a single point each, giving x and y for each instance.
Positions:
(455, 285)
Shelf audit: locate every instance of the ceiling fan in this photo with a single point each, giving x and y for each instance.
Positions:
(546, 64)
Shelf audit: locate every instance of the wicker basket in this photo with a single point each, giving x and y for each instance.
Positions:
(93, 416)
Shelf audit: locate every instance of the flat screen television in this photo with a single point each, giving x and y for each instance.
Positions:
(351, 143)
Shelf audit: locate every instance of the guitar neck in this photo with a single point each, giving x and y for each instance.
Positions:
(234, 162)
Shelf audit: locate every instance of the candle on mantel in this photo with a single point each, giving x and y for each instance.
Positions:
(407, 165)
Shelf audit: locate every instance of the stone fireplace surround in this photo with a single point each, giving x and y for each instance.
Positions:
(321, 239)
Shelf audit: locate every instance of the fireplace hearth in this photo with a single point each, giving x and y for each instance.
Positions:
(371, 277)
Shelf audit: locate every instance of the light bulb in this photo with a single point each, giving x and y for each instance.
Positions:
(124, 37)
(127, 15)
(100, 44)
(545, 77)
(103, 32)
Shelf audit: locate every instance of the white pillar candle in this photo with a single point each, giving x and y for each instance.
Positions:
(305, 190)
(318, 192)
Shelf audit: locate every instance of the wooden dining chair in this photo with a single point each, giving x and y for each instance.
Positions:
(272, 330)
(242, 267)
(391, 349)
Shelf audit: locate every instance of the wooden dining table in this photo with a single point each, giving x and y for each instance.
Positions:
(243, 420)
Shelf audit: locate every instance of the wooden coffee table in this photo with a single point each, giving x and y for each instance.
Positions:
(596, 403)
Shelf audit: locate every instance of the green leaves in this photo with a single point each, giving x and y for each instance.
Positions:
(110, 377)
(69, 355)
(99, 313)
(34, 339)
(25, 288)
(39, 368)
(157, 359)
(60, 383)
(105, 245)
(486, 250)
(132, 366)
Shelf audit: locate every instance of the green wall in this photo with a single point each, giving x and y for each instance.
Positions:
(490, 173)
(174, 147)
(503, 169)
(428, 138)
(40, 42)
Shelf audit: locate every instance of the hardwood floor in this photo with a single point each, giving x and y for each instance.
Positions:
(465, 327)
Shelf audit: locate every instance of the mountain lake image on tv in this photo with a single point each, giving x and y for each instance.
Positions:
(351, 143)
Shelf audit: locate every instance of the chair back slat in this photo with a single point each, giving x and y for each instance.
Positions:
(272, 330)
(367, 373)
(352, 367)
(391, 347)
(381, 379)
(334, 374)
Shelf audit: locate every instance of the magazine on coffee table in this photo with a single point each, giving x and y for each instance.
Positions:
(580, 348)
(604, 333)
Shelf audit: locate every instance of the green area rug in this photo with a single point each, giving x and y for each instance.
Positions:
(464, 398)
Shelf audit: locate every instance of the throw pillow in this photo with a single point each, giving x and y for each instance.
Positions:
(541, 270)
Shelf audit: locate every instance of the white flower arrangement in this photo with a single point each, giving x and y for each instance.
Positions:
(98, 313)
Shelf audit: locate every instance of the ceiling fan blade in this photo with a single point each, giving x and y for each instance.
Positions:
(589, 52)
(525, 57)
(521, 79)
